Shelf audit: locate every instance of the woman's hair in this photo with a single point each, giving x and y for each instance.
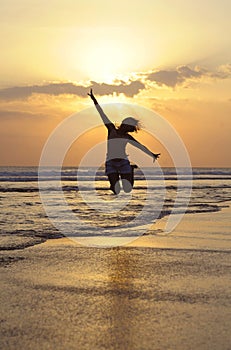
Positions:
(129, 124)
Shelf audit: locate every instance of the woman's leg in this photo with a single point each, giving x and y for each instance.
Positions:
(128, 179)
(127, 182)
(114, 182)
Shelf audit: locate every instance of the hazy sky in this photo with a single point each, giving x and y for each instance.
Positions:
(172, 56)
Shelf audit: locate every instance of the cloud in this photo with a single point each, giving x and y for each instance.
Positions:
(224, 71)
(21, 92)
(131, 89)
(164, 77)
(181, 74)
(176, 76)
(16, 115)
(137, 82)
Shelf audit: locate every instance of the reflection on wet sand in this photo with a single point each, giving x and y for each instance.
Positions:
(121, 265)
(59, 296)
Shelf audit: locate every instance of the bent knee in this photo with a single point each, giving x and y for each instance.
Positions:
(127, 186)
(127, 190)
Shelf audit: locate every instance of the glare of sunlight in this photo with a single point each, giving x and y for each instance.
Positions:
(104, 60)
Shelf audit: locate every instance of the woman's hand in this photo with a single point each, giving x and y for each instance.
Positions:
(155, 156)
(92, 96)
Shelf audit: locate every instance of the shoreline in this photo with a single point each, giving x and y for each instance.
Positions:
(175, 239)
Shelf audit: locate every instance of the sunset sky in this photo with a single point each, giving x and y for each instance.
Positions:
(172, 56)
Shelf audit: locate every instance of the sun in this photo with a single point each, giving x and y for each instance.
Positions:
(103, 54)
(105, 59)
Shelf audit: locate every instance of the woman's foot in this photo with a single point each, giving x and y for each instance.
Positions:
(134, 166)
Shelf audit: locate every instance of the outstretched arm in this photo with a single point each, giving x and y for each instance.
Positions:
(139, 145)
(103, 116)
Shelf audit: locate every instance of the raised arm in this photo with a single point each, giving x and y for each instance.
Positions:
(139, 145)
(103, 116)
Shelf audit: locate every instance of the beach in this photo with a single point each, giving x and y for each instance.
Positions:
(115, 175)
(158, 292)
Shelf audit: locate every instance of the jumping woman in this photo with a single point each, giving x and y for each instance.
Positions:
(117, 163)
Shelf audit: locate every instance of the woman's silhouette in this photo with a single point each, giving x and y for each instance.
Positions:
(117, 163)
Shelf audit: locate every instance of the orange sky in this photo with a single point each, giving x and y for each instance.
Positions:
(173, 57)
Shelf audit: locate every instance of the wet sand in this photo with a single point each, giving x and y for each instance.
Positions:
(64, 297)
(57, 295)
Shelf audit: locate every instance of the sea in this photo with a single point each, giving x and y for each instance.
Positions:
(41, 204)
